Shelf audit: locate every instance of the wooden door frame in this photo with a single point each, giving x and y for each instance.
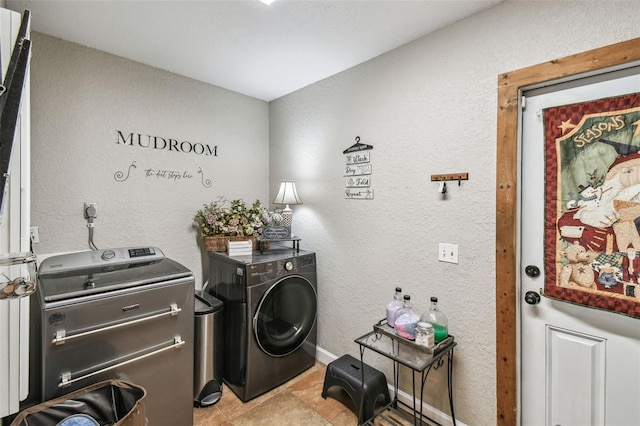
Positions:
(510, 86)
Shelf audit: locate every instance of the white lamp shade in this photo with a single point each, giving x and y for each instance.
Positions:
(287, 194)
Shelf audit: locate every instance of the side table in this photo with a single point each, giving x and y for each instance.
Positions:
(420, 360)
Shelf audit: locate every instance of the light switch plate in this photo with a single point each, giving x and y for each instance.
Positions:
(448, 253)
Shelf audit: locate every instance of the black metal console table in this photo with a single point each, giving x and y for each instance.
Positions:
(265, 241)
(421, 360)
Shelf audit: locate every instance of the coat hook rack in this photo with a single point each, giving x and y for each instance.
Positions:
(451, 176)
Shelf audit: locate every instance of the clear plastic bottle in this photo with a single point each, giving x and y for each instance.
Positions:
(438, 321)
(393, 306)
(406, 320)
(424, 335)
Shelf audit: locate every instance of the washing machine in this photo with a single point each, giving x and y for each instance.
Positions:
(270, 306)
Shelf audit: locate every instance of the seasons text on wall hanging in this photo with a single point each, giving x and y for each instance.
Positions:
(165, 143)
(592, 211)
(357, 171)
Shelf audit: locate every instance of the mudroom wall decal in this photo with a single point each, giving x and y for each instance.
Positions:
(592, 203)
(166, 143)
(169, 144)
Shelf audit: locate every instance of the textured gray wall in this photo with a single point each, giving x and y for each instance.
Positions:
(427, 108)
(81, 97)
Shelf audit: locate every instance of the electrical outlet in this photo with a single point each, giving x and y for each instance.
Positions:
(448, 253)
(87, 207)
(35, 235)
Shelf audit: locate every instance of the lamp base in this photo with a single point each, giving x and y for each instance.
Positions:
(287, 217)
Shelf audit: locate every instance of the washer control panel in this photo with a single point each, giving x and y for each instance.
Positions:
(88, 259)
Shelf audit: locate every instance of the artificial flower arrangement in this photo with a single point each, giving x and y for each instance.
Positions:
(224, 218)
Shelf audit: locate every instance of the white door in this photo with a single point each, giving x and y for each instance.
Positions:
(578, 366)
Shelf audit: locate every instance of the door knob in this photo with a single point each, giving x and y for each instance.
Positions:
(532, 271)
(532, 297)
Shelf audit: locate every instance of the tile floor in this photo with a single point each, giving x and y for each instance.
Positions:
(295, 403)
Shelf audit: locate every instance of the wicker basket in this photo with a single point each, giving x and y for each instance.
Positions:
(219, 242)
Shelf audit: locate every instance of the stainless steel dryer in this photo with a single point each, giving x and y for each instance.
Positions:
(124, 313)
(270, 305)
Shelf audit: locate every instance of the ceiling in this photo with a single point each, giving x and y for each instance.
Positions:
(244, 45)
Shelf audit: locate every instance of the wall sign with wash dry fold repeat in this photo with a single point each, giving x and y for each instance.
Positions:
(592, 204)
(357, 171)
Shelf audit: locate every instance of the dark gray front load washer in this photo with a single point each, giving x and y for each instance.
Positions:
(270, 306)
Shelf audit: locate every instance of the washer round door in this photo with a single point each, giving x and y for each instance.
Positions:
(285, 316)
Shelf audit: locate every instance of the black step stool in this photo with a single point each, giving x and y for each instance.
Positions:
(346, 373)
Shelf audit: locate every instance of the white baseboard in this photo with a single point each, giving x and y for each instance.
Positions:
(323, 356)
(326, 357)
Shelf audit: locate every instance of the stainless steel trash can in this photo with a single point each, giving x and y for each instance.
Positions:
(208, 341)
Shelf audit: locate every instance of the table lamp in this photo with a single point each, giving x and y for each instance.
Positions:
(289, 196)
